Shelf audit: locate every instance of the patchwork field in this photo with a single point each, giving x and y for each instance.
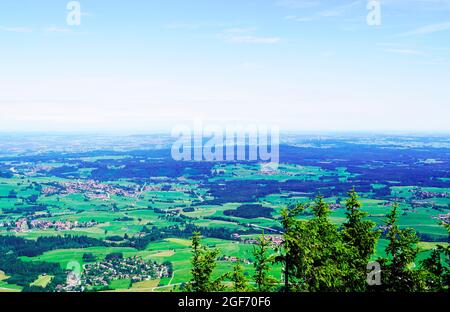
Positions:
(142, 205)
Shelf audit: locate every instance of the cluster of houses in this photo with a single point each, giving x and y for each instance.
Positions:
(265, 169)
(134, 268)
(27, 169)
(274, 240)
(334, 206)
(234, 259)
(443, 217)
(24, 225)
(165, 187)
(420, 194)
(95, 190)
(92, 189)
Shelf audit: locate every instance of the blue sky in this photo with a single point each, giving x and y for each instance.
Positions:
(299, 64)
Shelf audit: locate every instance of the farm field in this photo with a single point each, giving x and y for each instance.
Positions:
(84, 211)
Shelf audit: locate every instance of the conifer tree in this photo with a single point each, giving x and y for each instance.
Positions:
(433, 271)
(293, 251)
(436, 268)
(314, 253)
(240, 283)
(446, 252)
(263, 281)
(361, 238)
(398, 272)
(328, 266)
(203, 265)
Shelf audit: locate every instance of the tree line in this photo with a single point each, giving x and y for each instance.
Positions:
(319, 256)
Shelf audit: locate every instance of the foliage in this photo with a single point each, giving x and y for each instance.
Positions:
(436, 268)
(114, 256)
(315, 254)
(203, 264)
(89, 257)
(263, 281)
(250, 212)
(360, 238)
(30, 248)
(397, 269)
(240, 282)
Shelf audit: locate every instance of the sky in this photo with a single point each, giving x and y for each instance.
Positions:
(305, 65)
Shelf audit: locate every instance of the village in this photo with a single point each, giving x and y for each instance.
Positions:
(234, 259)
(443, 217)
(103, 191)
(418, 193)
(90, 188)
(24, 225)
(117, 267)
(275, 241)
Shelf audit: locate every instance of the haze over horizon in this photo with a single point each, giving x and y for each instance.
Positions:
(304, 65)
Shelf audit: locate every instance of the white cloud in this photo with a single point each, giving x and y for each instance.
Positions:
(50, 29)
(429, 29)
(253, 39)
(298, 4)
(16, 29)
(404, 51)
(300, 18)
(54, 29)
(246, 36)
(418, 5)
(330, 12)
(339, 10)
(240, 30)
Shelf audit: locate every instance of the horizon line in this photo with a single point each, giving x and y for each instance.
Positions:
(110, 132)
